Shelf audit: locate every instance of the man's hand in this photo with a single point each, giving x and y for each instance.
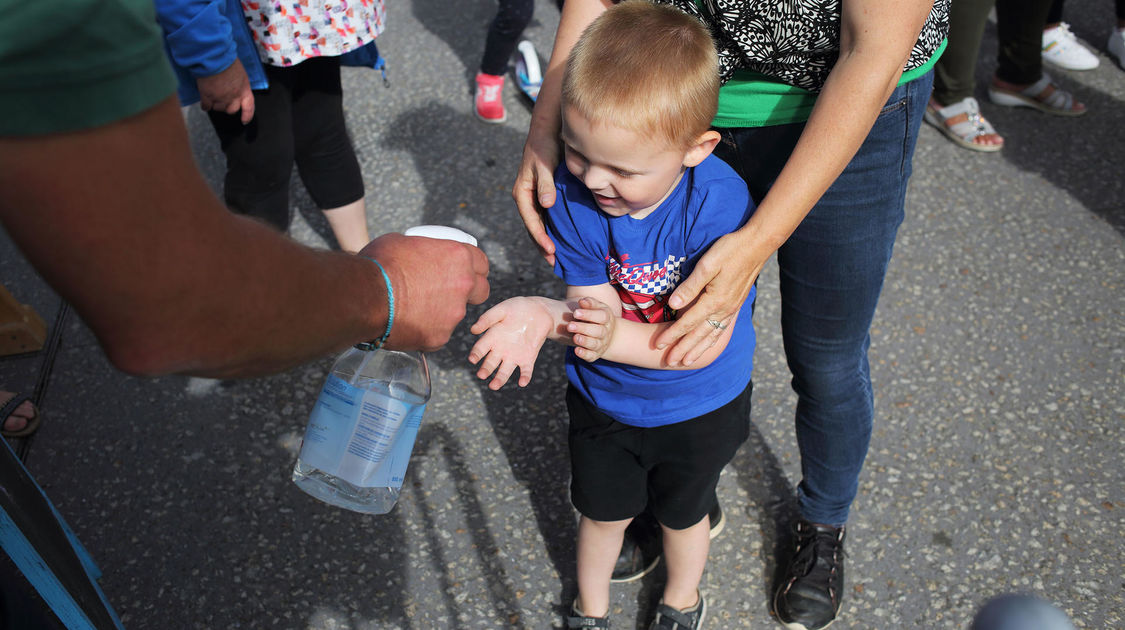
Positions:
(432, 280)
(714, 291)
(534, 189)
(592, 329)
(229, 91)
(513, 332)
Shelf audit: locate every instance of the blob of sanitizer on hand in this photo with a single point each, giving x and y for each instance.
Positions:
(361, 431)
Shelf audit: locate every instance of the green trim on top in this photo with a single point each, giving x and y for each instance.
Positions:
(751, 99)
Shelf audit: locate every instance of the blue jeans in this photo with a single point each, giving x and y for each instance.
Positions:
(831, 274)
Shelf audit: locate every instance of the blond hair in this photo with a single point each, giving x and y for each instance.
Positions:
(648, 68)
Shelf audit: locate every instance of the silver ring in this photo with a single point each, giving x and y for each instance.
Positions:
(718, 325)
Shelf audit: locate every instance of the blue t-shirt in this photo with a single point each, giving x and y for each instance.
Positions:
(645, 259)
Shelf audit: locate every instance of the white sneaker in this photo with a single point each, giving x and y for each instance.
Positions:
(1116, 46)
(1061, 48)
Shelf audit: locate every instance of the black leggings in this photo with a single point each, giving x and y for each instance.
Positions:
(299, 117)
(503, 34)
(1019, 29)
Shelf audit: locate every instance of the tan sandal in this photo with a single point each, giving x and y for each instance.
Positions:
(962, 123)
(1044, 95)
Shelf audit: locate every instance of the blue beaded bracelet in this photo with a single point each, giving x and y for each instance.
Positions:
(378, 343)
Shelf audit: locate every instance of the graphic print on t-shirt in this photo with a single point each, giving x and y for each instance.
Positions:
(644, 287)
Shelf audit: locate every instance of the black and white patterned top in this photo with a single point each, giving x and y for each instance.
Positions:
(793, 41)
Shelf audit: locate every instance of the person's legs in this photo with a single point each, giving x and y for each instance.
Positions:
(1055, 13)
(1019, 80)
(952, 109)
(1019, 29)
(955, 70)
(685, 461)
(832, 271)
(831, 274)
(260, 153)
(326, 160)
(1060, 47)
(598, 544)
(1116, 43)
(349, 225)
(512, 17)
(685, 554)
(607, 487)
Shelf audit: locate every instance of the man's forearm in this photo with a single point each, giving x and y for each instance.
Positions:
(120, 222)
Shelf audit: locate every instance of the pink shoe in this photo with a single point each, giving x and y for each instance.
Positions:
(489, 102)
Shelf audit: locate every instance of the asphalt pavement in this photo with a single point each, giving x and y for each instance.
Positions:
(998, 359)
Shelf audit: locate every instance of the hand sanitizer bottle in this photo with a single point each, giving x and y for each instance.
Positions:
(361, 431)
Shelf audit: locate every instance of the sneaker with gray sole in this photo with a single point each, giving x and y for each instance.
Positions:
(668, 618)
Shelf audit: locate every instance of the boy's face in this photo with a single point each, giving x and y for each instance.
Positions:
(628, 173)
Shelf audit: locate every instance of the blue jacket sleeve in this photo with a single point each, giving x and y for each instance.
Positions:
(198, 34)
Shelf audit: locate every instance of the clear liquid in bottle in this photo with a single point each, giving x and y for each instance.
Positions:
(362, 429)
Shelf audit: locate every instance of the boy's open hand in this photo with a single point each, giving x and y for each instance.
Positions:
(592, 329)
(514, 331)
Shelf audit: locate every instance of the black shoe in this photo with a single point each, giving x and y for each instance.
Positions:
(644, 544)
(808, 597)
(718, 521)
(668, 618)
(577, 619)
(640, 550)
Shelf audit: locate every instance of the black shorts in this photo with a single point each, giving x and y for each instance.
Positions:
(618, 469)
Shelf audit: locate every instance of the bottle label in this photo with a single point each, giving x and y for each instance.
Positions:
(361, 436)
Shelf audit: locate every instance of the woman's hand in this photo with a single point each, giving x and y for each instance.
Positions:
(714, 292)
(592, 329)
(534, 189)
(514, 331)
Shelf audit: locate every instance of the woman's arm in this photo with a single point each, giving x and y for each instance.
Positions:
(599, 332)
(534, 188)
(876, 37)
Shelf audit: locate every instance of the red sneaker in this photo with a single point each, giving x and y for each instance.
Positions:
(488, 101)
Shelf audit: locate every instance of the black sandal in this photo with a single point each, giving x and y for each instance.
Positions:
(9, 409)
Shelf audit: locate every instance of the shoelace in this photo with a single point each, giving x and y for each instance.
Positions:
(817, 555)
(1065, 36)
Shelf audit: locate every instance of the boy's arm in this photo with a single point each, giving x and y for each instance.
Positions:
(598, 332)
(513, 331)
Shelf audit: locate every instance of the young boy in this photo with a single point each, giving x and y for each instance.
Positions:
(640, 199)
